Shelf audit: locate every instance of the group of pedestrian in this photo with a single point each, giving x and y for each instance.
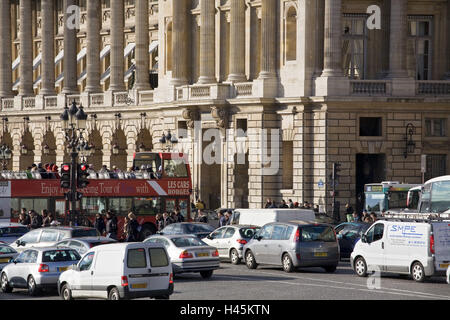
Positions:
(224, 218)
(47, 171)
(33, 220)
(271, 204)
(163, 220)
(353, 216)
(108, 228)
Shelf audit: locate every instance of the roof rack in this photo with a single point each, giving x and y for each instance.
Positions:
(416, 217)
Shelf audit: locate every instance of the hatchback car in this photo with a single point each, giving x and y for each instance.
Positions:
(189, 254)
(198, 229)
(292, 245)
(10, 232)
(6, 254)
(348, 233)
(48, 237)
(230, 241)
(83, 244)
(36, 269)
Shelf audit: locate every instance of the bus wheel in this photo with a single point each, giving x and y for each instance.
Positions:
(147, 231)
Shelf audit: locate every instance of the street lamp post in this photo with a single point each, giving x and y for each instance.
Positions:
(74, 124)
(168, 141)
(5, 155)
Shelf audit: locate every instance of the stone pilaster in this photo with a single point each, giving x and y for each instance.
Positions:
(207, 42)
(26, 49)
(117, 46)
(269, 39)
(142, 46)
(398, 38)
(70, 50)
(5, 50)
(179, 43)
(48, 48)
(237, 41)
(93, 47)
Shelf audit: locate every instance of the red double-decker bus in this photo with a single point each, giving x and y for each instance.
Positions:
(145, 193)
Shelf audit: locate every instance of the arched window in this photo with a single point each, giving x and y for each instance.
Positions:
(291, 34)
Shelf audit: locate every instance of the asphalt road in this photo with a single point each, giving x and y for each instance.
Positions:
(268, 283)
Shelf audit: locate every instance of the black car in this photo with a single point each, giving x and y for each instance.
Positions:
(348, 233)
(199, 229)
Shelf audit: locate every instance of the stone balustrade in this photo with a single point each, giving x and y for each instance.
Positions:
(370, 87)
(433, 88)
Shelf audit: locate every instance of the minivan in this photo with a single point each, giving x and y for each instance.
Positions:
(418, 248)
(119, 271)
(292, 245)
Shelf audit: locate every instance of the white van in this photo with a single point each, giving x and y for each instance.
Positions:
(119, 271)
(260, 217)
(419, 248)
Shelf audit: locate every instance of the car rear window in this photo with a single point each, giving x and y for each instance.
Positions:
(158, 257)
(136, 258)
(317, 233)
(6, 250)
(194, 228)
(183, 242)
(248, 232)
(60, 256)
(13, 230)
(85, 233)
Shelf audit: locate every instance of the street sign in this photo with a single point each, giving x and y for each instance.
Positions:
(423, 163)
(320, 184)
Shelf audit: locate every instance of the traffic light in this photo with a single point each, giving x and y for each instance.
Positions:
(65, 176)
(82, 176)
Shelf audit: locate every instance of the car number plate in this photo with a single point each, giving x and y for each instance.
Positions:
(444, 265)
(139, 286)
(61, 269)
(3, 260)
(203, 254)
(320, 254)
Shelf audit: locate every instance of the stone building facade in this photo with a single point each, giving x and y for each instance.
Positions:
(295, 84)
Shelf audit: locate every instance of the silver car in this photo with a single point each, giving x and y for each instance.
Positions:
(83, 244)
(36, 269)
(6, 254)
(293, 245)
(230, 241)
(10, 232)
(189, 254)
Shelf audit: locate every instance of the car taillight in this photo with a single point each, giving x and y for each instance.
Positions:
(298, 256)
(43, 268)
(432, 244)
(215, 254)
(124, 281)
(241, 241)
(297, 235)
(171, 278)
(186, 255)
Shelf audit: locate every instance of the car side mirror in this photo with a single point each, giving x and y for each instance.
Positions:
(210, 237)
(12, 260)
(74, 267)
(364, 238)
(259, 238)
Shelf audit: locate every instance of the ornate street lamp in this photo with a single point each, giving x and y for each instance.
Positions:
(168, 141)
(410, 145)
(5, 156)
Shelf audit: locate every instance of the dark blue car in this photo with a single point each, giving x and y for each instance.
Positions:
(348, 233)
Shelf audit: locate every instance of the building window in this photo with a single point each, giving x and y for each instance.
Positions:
(436, 166)
(370, 126)
(291, 35)
(419, 46)
(241, 128)
(354, 45)
(182, 129)
(435, 127)
(288, 165)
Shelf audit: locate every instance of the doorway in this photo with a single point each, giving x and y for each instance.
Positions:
(370, 168)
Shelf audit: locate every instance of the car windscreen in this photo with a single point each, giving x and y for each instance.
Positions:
(60, 256)
(85, 233)
(195, 228)
(183, 242)
(5, 231)
(6, 250)
(317, 233)
(248, 232)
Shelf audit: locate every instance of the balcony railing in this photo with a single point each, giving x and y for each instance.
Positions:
(370, 87)
(433, 88)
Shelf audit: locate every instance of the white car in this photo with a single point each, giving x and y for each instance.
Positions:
(119, 271)
(6, 254)
(10, 232)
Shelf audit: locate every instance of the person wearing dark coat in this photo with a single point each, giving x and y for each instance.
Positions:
(99, 223)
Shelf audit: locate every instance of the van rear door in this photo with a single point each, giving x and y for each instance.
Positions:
(161, 268)
(441, 235)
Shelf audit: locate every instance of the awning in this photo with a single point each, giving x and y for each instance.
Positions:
(59, 57)
(37, 61)
(37, 82)
(105, 51)
(153, 46)
(82, 77)
(81, 54)
(16, 63)
(128, 49)
(129, 72)
(105, 75)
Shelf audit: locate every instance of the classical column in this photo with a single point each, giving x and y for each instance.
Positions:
(332, 62)
(447, 74)
(142, 46)
(70, 49)
(48, 48)
(5, 50)
(207, 42)
(26, 49)
(93, 46)
(179, 43)
(269, 39)
(398, 38)
(117, 45)
(237, 41)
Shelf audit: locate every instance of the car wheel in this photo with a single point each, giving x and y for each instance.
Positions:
(288, 266)
(114, 294)
(66, 293)
(234, 257)
(32, 287)
(250, 260)
(5, 285)
(418, 272)
(206, 274)
(330, 269)
(361, 267)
